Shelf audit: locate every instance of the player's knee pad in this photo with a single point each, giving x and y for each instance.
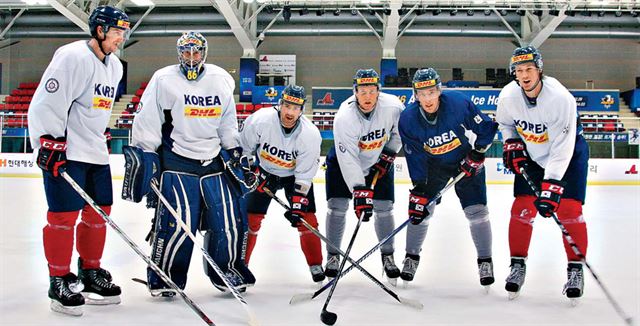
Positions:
(523, 210)
(92, 219)
(255, 222)
(477, 214)
(62, 220)
(312, 220)
(337, 207)
(226, 225)
(383, 208)
(570, 211)
(171, 247)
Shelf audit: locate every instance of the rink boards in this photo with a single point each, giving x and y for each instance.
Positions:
(601, 171)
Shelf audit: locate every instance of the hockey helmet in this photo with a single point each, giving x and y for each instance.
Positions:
(365, 77)
(525, 54)
(107, 17)
(191, 43)
(293, 94)
(426, 78)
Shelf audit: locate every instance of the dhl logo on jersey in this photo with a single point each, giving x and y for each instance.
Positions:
(523, 57)
(424, 83)
(532, 132)
(373, 140)
(102, 103)
(442, 144)
(202, 106)
(367, 80)
(278, 156)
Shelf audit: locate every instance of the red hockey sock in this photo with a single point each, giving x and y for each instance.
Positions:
(57, 237)
(91, 233)
(570, 214)
(255, 222)
(523, 212)
(309, 242)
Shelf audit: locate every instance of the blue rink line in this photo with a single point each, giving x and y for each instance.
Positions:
(398, 181)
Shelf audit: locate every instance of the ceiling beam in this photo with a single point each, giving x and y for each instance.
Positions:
(247, 41)
(13, 20)
(72, 12)
(390, 31)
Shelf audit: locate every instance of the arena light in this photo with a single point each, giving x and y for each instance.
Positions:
(453, 12)
(487, 12)
(618, 13)
(436, 12)
(601, 13)
(286, 13)
(387, 11)
(320, 12)
(303, 11)
(504, 12)
(521, 12)
(470, 12)
(142, 3)
(336, 12)
(634, 13)
(554, 12)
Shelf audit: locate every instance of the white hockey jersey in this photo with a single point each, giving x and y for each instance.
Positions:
(548, 128)
(191, 118)
(359, 140)
(296, 153)
(74, 99)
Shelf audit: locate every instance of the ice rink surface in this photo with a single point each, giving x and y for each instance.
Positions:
(446, 282)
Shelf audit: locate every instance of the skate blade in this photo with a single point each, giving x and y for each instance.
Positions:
(319, 284)
(513, 295)
(163, 293)
(487, 289)
(393, 281)
(98, 300)
(574, 301)
(71, 311)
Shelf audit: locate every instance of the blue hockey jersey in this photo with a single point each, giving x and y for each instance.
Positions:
(459, 127)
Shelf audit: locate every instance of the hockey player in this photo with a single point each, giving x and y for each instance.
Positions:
(444, 134)
(188, 117)
(68, 116)
(287, 147)
(366, 141)
(541, 131)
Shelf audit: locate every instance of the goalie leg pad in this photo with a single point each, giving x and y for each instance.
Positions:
(523, 213)
(171, 247)
(570, 214)
(225, 220)
(140, 168)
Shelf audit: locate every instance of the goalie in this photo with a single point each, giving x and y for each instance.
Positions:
(185, 136)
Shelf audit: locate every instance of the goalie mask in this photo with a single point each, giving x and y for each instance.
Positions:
(192, 54)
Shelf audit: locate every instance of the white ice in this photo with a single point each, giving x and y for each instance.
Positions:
(446, 283)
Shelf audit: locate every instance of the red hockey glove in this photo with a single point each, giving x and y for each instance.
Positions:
(549, 199)
(514, 155)
(107, 135)
(52, 153)
(299, 206)
(472, 164)
(384, 163)
(418, 202)
(363, 202)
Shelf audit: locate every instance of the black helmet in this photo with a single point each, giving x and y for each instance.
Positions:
(107, 16)
(294, 94)
(365, 77)
(525, 54)
(425, 78)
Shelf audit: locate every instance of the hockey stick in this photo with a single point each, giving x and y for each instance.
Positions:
(252, 319)
(628, 320)
(409, 302)
(326, 316)
(308, 297)
(135, 247)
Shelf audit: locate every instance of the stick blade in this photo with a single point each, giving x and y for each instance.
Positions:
(298, 298)
(328, 317)
(415, 304)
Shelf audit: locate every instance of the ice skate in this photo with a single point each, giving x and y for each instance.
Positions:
(390, 269)
(485, 270)
(317, 274)
(64, 292)
(409, 267)
(331, 269)
(574, 287)
(515, 280)
(98, 286)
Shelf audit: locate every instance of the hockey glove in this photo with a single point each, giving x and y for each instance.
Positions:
(266, 180)
(240, 168)
(514, 155)
(472, 164)
(299, 206)
(418, 206)
(141, 168)
(52, 154)
(549, 199)
(363, 202)
(384, 163)
(107, 136)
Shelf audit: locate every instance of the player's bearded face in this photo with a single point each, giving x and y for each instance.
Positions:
(429, 99)
(114, 38)
(367, 97)
(289, 114)
(528, 76)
